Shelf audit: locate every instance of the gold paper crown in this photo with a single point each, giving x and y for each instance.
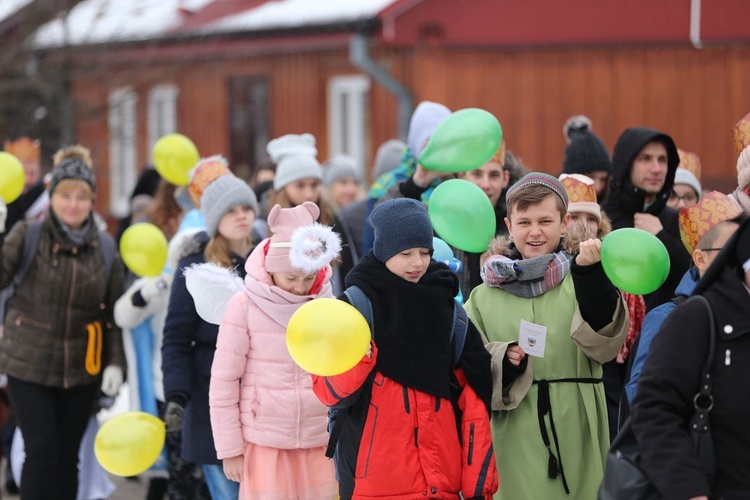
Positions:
(205, 172)
(690, 161)
(24, 148)
(741, 132)
(499, 156)
(713, 209)
(580, 189)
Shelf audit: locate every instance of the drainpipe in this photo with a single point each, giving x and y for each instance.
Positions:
(695, 23)
(360, 57)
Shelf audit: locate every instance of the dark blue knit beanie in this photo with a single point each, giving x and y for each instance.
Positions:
(400, 224)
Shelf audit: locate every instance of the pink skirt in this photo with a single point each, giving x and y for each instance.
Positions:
(273, 474)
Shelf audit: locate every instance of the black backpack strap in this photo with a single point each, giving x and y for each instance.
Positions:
(458, 332)
(30, 245)
(359, 299)
(342, 415)
(107, 244)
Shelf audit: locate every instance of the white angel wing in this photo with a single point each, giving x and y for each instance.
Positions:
(211, 287)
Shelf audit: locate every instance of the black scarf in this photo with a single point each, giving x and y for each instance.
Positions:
(412, 323)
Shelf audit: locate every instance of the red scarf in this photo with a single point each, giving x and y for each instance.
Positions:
(637, 311)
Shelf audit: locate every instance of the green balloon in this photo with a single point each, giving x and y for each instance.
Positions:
(466, 140)
(462, 215)
(635, 261)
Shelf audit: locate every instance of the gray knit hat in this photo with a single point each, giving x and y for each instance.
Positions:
(294, 156)
(400, 224)
(388, 157)
(423, 123)
(220, 191)
(340, 167)
(72, 168)
(685, 176)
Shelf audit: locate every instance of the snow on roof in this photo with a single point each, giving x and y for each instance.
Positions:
(10, 7)
(292, 13)
(100, 21)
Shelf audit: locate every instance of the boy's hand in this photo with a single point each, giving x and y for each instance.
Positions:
(589, 252)
(647, 222)
(233, 468)
(369, 351)
(423, 177)
(515, 354)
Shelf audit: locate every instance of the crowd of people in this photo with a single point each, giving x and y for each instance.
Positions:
(505, 377)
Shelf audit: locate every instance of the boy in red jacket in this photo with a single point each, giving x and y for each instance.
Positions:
(401, 437)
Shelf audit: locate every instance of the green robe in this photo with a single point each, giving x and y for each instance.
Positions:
(573, 350)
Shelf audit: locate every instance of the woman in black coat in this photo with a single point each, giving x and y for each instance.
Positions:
(664, 405)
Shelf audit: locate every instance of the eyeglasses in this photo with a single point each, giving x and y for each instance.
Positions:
(688, 198)
(711, 249)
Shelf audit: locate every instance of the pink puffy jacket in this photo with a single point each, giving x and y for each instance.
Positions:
(258, 394)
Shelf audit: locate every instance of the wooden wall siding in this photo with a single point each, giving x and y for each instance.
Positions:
(695, 95)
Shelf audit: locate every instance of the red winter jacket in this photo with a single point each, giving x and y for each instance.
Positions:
(398, 443)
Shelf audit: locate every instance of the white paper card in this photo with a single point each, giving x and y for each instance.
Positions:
(532, 338)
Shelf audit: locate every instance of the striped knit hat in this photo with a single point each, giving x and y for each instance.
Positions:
(542, 179)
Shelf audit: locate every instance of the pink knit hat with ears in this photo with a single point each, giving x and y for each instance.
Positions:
(298, 242)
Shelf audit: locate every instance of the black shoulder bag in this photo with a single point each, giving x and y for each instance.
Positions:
(623, 477)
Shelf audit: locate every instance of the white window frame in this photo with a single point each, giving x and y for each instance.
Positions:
(162, 113)
(348, 116)
(122, 149)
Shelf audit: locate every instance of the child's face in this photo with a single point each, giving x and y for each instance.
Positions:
(237, 223)
(585, 219)
(411, 264)
(491, 177)
(537, 230)
(303, 190)
(344, 191)
(297, 283)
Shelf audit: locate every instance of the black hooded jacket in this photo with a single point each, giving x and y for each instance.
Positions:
(625, 200)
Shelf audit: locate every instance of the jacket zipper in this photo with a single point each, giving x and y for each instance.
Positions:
(471, 444)
(68, 314)
(20, 320)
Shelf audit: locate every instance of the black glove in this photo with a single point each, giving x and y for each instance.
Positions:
(174, 413)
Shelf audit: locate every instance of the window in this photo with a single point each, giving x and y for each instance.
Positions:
(248, 122)
(122, 150)
(162, 113)
(348, 117)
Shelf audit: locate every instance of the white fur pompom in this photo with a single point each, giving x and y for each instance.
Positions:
(313, 247)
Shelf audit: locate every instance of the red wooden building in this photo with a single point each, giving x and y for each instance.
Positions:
(232, 74)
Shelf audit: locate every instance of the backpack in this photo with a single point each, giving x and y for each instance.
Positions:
(357, 297)
(30, 246)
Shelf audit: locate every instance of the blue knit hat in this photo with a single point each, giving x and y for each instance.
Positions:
(400, 224)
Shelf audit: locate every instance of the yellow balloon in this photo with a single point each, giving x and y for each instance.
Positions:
(327, 336)
(130, 443)
(174, 155)
(12, 177)
(143, 248)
